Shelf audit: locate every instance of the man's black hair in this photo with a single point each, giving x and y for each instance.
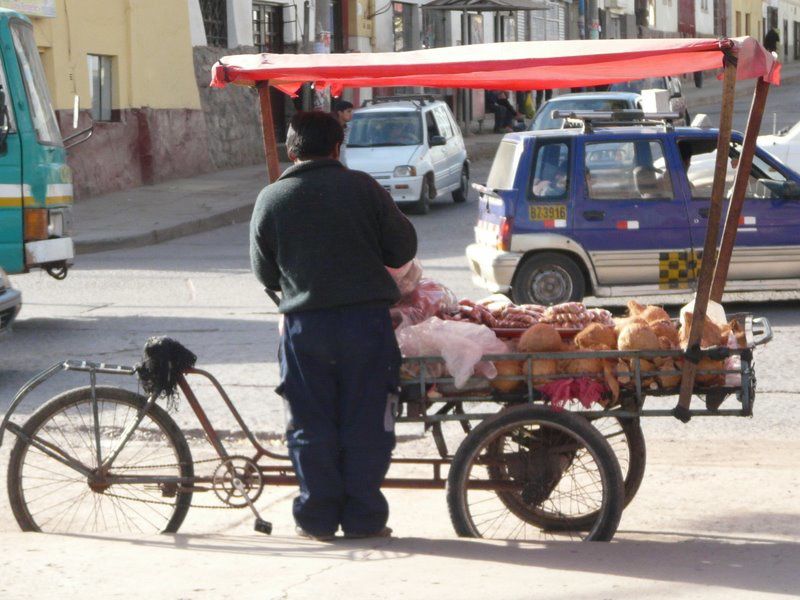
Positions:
(341, 105)
(313, 134)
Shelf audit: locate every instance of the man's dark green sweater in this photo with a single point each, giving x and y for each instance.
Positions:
(323, 235)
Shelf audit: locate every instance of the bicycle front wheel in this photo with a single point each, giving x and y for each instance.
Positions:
(144, 491)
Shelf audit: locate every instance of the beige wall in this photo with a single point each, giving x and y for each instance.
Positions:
(148, 39)
(745, 7)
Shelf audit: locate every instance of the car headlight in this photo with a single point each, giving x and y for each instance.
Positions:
(405, 171)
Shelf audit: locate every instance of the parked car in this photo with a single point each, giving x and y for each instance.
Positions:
(785, 146)
(413, 147)
(10, 302)
(677, 101)
(618, 211)
(543, 119)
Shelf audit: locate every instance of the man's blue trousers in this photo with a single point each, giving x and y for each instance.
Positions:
(339, 375)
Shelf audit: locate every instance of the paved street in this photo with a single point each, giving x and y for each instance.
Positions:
(716, 516)
(782, 110)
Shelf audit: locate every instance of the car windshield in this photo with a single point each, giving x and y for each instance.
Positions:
(544, 118)
(44, 119)
(650, 83)
(372, 129)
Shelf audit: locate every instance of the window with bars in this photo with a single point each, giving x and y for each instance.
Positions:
(434, 26)
(215, 21)
(267, 27)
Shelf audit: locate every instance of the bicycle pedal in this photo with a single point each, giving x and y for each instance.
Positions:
(263, 526)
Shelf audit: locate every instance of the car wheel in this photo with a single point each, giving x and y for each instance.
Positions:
(460, 195)
(546, 279)
(422, 206)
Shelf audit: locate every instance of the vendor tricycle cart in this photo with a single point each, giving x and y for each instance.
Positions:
(101, 458)
(106, 459)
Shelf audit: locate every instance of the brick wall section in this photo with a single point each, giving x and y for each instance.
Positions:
(141, 146)
(232, 116)
(106, 162)
(144, 146)
(174, 144)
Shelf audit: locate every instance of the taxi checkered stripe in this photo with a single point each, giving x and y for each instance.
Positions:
(677, 269)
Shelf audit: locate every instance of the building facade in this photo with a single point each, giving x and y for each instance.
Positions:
(130, 64)
(141, 67)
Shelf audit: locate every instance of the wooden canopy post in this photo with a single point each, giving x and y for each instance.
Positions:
(739, 188)
(268, 130)
(709, 259)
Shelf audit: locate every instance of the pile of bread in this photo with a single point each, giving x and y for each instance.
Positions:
(645, 328)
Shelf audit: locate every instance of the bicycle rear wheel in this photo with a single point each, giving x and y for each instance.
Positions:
(48, 495)
(529, 473)
(626, 440)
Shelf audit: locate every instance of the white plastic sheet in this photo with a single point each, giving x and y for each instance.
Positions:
(459, 343)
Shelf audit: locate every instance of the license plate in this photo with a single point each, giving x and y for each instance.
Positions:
(548, 212)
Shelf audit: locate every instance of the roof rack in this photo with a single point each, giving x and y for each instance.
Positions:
(419, 99)
(588, 119)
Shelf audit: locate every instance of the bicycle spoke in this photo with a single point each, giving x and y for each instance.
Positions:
(58, 498)
(61, 502)
(558, 478)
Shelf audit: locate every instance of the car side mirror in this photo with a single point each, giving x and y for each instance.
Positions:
(785, 190)
(790, 190)
(437, 140)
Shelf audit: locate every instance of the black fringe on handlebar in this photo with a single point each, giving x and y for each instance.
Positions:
(163, 360)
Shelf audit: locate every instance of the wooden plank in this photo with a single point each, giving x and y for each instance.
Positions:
(268, 131)
(707, 267)
(739, 188)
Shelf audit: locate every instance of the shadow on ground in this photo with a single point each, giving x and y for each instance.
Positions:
(747, 563)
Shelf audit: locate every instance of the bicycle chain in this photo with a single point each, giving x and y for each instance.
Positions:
(194, 462)
(223, 507)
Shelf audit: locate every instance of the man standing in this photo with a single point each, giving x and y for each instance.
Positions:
(504, 112)
(771, 40)
(342, 111)
(323, 235)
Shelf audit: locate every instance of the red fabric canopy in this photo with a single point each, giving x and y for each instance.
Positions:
(506, 66)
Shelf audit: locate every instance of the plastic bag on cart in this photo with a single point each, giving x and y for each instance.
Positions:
(429, 299)
(459, 343)
(406, 277)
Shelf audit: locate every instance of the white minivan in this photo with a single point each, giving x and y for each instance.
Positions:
(412, 146)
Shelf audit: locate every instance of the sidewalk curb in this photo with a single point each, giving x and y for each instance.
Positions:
(707, 97)
(232, 216)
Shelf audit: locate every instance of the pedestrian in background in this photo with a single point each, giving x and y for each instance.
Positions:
(771, 39)
(323, 235)
(342, 111)
(504, 112)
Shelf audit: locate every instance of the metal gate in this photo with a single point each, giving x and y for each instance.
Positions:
(215, 22)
